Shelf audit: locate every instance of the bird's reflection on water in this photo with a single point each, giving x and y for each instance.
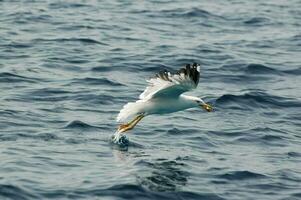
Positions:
(157, 175)
(165, 176)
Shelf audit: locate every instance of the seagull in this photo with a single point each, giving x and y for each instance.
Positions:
(164, 95)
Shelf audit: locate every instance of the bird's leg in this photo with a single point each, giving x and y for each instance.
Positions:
(125, 127)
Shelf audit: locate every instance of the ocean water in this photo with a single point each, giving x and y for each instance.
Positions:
(68, 67)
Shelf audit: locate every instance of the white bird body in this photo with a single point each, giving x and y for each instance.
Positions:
(167, 105)
(164, 94)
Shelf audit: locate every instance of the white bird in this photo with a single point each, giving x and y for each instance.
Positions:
(164, 95)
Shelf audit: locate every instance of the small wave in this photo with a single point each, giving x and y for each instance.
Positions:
(298, 195)
(241, 175)
(18, 45)
(296, 71)
(61, 5)
(45, 94)
(263, 135)
(271, 138)
(188, 13)
(294, 154)
(137, 192)
(62, 40)
(166, 175)
(260, 69)
(158, 68)
(196, 12)
(252, 68)
(109, 68)
(257, 21)
(41, 136)
(96, 81)
(48, 92)
(79, 124)
(6, 77)
(47, 136)
(14, 192)
(174, 131)
(252, 99)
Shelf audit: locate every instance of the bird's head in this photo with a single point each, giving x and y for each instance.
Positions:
(204, 105)
(196, 101)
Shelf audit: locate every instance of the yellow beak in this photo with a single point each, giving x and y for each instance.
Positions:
(207, 107)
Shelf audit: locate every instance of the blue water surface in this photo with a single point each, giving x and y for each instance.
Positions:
(68, 67)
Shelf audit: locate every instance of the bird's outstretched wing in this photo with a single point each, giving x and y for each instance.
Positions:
(166, 85)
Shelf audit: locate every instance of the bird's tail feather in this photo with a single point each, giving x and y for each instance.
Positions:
(129, 110)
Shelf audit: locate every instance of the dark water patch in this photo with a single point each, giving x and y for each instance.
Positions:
(257, 99)
(260, 69)
(209, 49)
(165, 176)
(289, 175)
(294, 154)
(75, 61)
(174, 131)
(37, 19)
(61, 194)
(47, 136)
(131, 191)
(109, 68)
(272, 186)
(69, 40)
(45, 94)
(263, 135)
(34, 136)
(296, 71)
(6, 77)
(72, 28)
(97, 99)
(4, 137)
(69, 5)
(14, 192)
(188, 13)
(200, 141)
(235, 79)
(266, 130)
(130, 39)
(77, 124)
(241, 175)
(233, 133)
(233, 66)
(298, 195)
(157, 68)
(252, 68)
(184, 131)
(296, 38)
(17, 45)
(48, 92)
(271, 138)
(96, 81)
(257, 21)
(117, 49)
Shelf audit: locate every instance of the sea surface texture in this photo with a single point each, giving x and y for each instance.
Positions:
(68, 67)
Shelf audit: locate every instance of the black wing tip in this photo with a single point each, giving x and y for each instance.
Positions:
(163, 75)
(191, 70)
